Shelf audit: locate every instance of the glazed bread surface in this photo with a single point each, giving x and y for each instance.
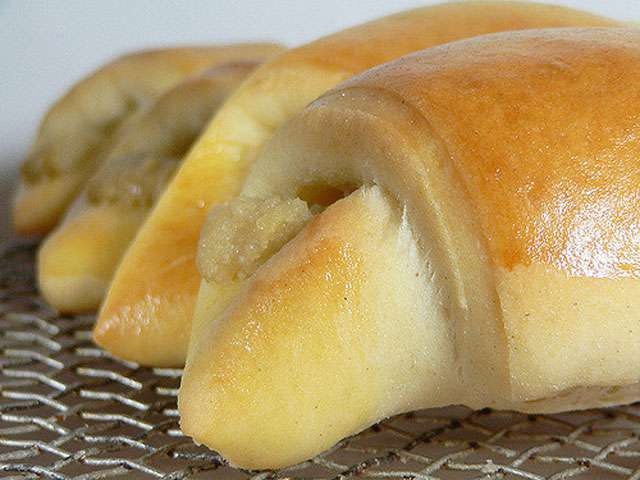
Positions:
(77, 260)
(78, 130)
(147, 312)
(471, 238)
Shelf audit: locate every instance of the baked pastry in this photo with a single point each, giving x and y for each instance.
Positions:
(147, 312)
(77, 260)
(78, 130)
(487, 255)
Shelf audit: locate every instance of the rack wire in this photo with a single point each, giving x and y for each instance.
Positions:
(69, 410)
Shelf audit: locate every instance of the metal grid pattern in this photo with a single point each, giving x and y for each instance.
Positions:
(70, 410)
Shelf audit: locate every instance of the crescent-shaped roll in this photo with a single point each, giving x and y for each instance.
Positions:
(77, 260)
(146, 315)
(460, 226)
(78, 130)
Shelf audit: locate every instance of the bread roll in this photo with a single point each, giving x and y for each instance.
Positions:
(77, 260)
(147, 312)
(488, 255)
(78, 130)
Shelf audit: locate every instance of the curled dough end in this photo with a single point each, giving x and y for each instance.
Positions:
(310, 332)
(76, 263)
(37, 209)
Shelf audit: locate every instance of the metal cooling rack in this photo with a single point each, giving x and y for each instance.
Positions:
(68, 410)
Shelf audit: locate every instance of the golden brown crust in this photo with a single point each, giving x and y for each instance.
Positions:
(395, 35)
(217, 166)
(551, 165)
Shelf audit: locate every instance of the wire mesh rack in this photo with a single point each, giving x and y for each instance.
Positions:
(69, 410)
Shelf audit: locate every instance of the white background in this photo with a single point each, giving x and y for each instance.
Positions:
(46, 45)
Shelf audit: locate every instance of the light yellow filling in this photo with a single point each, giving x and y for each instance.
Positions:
(241, 235)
